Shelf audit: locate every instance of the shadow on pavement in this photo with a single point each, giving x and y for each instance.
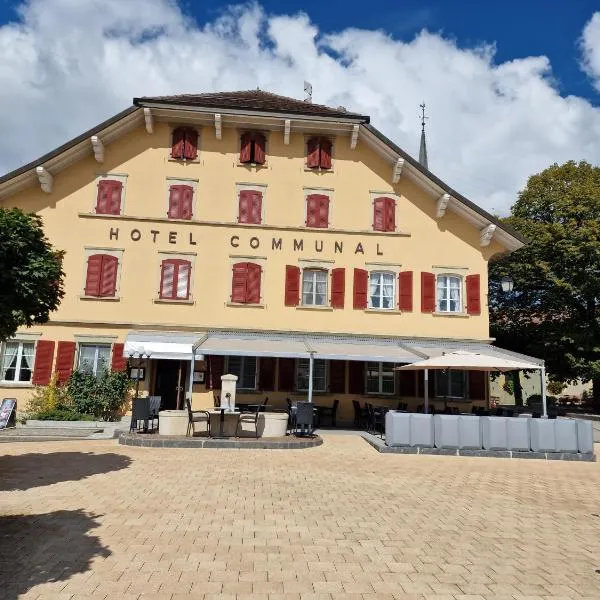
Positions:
(45, 548)
(26, 471)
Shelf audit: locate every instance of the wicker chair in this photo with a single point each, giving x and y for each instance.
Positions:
(196, 416)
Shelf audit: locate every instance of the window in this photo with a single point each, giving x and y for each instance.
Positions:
(17, 361)
(101, 276)
(108, 201)
(250, 207)
(317, 211)
(449, 294)
(185, 143)
(319, 375)
(380, 378)
(245, 283)
(252, 148)
(318, 153)
(245, 369)
(181, 199)
(381, 289)
(384, 214)
(175, 279)
(94, 359)
(314, 287)
(450, 384)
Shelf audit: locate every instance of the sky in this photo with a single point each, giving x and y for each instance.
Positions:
(510, 87)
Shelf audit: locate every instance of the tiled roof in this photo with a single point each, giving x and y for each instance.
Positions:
(252, 100)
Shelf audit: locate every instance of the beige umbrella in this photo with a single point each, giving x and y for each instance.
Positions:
(474, 361)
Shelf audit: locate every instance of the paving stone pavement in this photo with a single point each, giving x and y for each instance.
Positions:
(94, 520)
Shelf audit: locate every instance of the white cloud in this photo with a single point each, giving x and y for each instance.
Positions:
(68, 64)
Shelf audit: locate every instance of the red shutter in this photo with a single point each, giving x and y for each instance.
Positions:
(186, 201)
(239, 282)
(292, 285)
(167, 279)
(245, 208)
(379, 214)
(337, 376)
(94, 274)
(406, 291)
(323, 220)
(427, 292)
(175, 201)
(65, 356)
(473, 294)
(361, 282)
(109, 197)
(477, 385)
(190, 151)
(390, 214)
(184, 271)
(42, 367)
(178, 147)
(325, 156)
(266, 377)
(312, 210)
(255, 208)
(356, 377)
(312, 155)
(286, 374)
(246, 148)
(259, 148)
(338, 285)
(108, 278)
(408, 384)
(119, 362)
(216, 366)
(253, 284)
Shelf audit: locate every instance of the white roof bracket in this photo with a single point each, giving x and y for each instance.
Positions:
(98, 148)
(287, 126)
(397, 170)
(486, 234)
(442, 205)
(218, 126)
(149, 120)
(45, 179)
(354, 138)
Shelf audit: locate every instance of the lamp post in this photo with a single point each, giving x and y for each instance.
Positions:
(507, 284)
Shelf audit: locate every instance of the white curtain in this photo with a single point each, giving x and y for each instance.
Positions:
(388, 290)
(11, 349)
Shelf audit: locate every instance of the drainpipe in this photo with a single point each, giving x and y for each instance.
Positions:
(544, 407)
(192, 365)
(426, 391)
(311, 361)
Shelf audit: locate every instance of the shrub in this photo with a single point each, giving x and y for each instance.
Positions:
(62, 414)
(48, 398)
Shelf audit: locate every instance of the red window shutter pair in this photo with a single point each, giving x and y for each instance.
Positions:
(266, 377)
(216, 368)
(65, 357)
(250, 210)
(361, 286)
(175, 279)
(119, 361)
(356, 379)
(428, 299)
(101, 278)
(384, 214)
(245, 283)
(292, 285)
(108, 201)
(252, 149)
(338, 287)
(286, 374)
(317, 211)
(337, 376)
(185, 143)
(318, 153)
(42, 366)
(180, 202)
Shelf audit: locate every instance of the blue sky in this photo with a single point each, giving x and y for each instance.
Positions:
(510, 87)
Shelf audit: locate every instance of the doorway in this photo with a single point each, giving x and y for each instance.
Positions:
(170, 383)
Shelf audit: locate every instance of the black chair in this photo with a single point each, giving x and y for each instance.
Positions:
(376, 418)
(140, 411)
(360, 415)
(304, 418)
(291, 415)
(196, 416)
(155, 402)
(263, 407)
(330, 412)
(250, 416)
(402, 406)
(217, 400)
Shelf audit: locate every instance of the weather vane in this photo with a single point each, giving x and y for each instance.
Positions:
(423, 117)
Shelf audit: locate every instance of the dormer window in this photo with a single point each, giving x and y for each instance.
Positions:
(318, 153)
(185, 143)
(252, 149)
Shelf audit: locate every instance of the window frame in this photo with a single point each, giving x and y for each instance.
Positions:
(92, 251)
(300, 365)
(315, 271)
(19, 359)
(121, 177)
(380, 379)
(243, 362)
(447, 374)
(383, 272)
(448, 288)
(97, 347)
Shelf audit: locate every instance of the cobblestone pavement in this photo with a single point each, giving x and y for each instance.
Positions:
(92, 520)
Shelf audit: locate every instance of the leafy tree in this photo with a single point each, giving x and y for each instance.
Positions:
(31, 276)
(553, 310)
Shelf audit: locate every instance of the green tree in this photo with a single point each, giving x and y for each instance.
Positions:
(553, 310)
(31, 276)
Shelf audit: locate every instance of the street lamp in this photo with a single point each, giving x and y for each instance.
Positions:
(507, 284)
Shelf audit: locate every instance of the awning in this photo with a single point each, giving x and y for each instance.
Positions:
(471, 361)
(161, 345)
(362, 350)
(240, 344)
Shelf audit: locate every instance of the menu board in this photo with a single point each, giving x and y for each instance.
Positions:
(8, 410)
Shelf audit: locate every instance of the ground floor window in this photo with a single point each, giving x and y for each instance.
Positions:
(94, 358)
(244, 367)
(319, 375)
(380, 378)
(450, 384)
(16, 361)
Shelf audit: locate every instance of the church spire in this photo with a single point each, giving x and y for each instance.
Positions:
(423, 148)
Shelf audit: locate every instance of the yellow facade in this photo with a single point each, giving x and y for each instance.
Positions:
(213, 241)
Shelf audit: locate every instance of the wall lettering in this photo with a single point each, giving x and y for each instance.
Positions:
(192, 241)
(235, 241)
(298, 244)
(136, 235)
(172, 237)
(154, 234)
(276, 244)
(254, 243)
(114, 233)
(339, 247)
(317, 248)
(359, 249)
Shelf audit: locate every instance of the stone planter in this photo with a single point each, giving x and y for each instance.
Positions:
(173, 422)
(270, 425)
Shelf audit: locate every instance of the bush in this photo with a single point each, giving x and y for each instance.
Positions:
(62, 414)
(48, 398)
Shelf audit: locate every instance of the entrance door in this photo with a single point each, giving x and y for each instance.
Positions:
(170, 383)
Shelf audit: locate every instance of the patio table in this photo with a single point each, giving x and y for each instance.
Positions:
(223, 410)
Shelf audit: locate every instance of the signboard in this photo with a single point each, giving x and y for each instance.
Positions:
(8, 411)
